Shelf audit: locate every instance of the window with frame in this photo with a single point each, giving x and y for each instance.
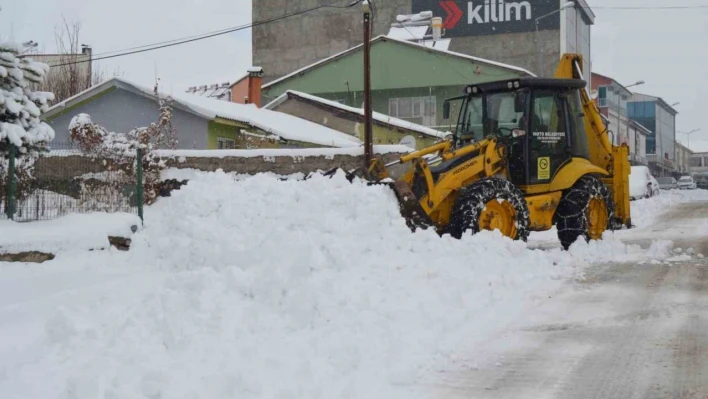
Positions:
(421, 110)
(223, 143)
(602, 96)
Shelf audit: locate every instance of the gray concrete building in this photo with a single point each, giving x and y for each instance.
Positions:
(499, 30)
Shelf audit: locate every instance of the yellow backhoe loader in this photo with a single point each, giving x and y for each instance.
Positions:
(527, 154)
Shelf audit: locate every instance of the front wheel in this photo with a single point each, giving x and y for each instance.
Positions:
(490, 204)
(586, 210)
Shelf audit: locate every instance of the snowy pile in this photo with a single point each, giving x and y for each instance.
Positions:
(646, 211)
(20, 106)
(317, 289)
(261, 288)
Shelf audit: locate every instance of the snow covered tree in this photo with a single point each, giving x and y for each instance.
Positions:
(20, 106)
(120, 148)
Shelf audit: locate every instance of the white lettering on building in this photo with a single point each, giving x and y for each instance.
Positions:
(497, 11)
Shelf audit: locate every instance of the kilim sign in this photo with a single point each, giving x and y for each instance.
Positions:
(490, 17)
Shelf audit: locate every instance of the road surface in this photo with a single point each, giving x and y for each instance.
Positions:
(626, 331)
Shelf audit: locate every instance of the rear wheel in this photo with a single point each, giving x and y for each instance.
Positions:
(490, 204)
(586, 210)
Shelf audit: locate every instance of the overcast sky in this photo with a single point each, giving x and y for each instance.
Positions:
(666, 48)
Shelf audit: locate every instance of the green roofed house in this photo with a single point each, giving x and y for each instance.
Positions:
(410, 81)
(201, 123)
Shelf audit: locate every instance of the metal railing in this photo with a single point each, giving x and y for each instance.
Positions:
(65, 181)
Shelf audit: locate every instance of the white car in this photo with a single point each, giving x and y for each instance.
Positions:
(687, 183)
(642, 184)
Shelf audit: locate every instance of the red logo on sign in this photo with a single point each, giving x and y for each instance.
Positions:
(453, 14)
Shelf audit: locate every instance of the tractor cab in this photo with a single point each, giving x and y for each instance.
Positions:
(540, 122)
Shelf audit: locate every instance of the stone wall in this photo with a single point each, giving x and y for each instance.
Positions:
(67, 168)
(281, 165)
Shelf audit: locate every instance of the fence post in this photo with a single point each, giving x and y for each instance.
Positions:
(139, 160)
(11, 185)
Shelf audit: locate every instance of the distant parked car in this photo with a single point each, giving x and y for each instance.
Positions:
(667, 183)
(702, 184)
(687, 183)
(642, 184)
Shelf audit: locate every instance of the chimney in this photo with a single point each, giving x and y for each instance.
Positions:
(255, 79)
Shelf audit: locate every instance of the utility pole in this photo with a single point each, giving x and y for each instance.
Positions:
(368, 146)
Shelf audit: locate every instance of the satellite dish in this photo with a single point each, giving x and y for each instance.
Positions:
(408, 141)
(594, 94)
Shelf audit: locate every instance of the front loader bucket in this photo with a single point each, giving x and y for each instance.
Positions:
(409, 205)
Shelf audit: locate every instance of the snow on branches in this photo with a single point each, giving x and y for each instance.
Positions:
(121, 148)
(20, 106)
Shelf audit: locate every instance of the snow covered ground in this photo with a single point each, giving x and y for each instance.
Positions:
(260, 288)
(76, 232)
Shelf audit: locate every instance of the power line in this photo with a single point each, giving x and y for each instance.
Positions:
(647, 8)
(175, 42)
(189, 39)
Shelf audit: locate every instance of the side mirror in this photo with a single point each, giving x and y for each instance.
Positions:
(446, 110)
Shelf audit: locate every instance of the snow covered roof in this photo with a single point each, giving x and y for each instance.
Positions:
(404, 42)
(283, 125)
(408, 32)
(379, 117)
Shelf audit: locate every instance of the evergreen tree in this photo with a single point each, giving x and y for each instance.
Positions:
(20, 106)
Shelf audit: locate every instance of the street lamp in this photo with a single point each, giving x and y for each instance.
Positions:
(619, 112)
(688, 135)
(539, 55)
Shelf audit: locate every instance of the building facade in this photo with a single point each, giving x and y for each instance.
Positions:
(660, 118)
(409, 80)
(499, 30)
(350, 120)
(699, 163)
(612, 99)
(199, 122)
(683, 159)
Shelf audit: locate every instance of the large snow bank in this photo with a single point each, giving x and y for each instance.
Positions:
(261, 288)
(272, 288)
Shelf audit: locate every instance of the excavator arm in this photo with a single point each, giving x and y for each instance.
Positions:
(613, 159)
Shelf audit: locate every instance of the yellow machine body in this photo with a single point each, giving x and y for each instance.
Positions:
(488, 158)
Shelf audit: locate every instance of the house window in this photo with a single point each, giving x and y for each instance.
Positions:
(420, 110)
(223, 143)
(602, 96)
(696, 162)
